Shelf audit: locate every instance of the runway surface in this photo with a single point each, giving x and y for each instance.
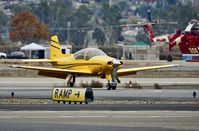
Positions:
(100, 107)
(98, 117)
(45, 82)
(99, 120)
(120, 94)
(42, 88)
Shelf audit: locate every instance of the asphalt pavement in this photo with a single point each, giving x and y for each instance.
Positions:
(42, 88)
(120, 94)
(99, 117)
(99, 107)
(99, 120)
(21, 82)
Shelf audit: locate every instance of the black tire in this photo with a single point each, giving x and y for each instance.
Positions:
(64, 102)
(75, 102)
(80, 102)
(69, 102)
(86, 102)
(2, 57)
(108, 87)
(169, 58)
(58, 102)
(113, 87)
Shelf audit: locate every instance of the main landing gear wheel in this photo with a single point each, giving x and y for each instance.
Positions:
(109, 87)
(113, 87)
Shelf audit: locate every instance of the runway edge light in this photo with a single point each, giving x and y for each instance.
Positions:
(72, 95)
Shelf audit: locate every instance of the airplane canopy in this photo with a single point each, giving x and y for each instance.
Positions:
(88, 53)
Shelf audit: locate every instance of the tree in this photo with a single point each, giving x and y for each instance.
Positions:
(170, 12)
(99, 36)
(55, 14)
(26, 28)
(3, 26)
(172, 2)
(1, 41)
(3, 19)
(79, 19)
(111, 17)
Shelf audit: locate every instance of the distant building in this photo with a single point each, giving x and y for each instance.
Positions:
(36, 51)
(140, 51)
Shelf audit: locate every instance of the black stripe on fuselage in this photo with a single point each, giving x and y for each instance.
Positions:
(77, 64)
(55, 47)
(55, 42)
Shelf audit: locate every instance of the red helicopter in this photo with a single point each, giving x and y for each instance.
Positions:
(188, 40)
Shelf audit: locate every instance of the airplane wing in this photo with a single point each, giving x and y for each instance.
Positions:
(38, 60)
(131, 71)
(54, 72)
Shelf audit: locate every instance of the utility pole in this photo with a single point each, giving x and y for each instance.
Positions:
(149, 15)
(68, 31)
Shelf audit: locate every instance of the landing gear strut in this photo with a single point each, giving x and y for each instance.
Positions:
(71, 81)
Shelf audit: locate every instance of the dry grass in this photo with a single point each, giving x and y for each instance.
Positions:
(84, 84)
(93, 84)
(134, 85)
(157, 86)
(96, 84)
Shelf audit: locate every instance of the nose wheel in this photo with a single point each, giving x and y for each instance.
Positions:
(111, 86)
(112, 76)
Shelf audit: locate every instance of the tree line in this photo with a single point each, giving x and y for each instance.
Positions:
(38, 22)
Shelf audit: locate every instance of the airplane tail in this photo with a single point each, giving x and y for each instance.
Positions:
(55, 49)
(151, 34)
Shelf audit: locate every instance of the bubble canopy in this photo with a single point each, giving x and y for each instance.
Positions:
(88, 53)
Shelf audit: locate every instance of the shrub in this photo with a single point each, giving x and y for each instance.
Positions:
(93, 84)
(84, 84)
(134, 85)
(157, 86)
(96, 84)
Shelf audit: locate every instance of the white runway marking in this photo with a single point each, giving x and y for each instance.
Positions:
(92, 116)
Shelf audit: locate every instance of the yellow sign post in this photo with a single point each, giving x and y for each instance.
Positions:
(72, 95)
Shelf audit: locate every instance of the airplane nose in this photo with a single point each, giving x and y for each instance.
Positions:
(115, 62)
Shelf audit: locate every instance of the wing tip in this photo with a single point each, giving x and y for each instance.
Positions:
(177, 65)
(13, 66)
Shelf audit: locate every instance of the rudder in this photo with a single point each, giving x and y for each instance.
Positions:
(55, 48)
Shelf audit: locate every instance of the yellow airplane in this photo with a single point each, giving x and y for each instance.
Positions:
(86, 62)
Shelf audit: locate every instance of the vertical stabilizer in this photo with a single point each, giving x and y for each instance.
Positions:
(55, 49)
